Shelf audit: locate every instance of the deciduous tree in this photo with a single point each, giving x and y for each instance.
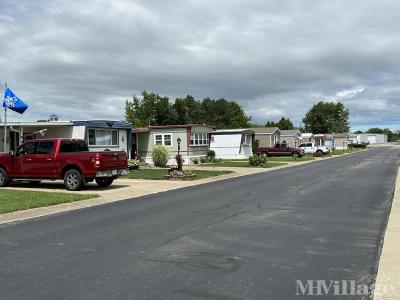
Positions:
(327, 117)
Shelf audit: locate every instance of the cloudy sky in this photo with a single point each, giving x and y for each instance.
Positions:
(82, 59)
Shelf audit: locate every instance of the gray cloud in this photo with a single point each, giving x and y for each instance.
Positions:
(82, 59)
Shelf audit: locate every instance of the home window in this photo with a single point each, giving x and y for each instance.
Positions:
(167, 140)
(103, 137)
(199, 139)
(158, 139)
(163, 139)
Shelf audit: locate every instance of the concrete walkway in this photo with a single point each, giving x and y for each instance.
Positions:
(387, 286)
(129, 188)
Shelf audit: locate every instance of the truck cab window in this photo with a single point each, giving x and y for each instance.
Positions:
(28, 148)
(73, 146)
(45, 148)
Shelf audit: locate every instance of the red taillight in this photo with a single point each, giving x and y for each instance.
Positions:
(96, 162)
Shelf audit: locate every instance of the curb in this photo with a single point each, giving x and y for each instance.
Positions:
(387, 285)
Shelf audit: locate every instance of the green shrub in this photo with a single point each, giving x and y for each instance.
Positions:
(361, 146)
(195, 161)
(211, 155)
(134, 164)
(160, 156)
(203, 159)
(257, 161)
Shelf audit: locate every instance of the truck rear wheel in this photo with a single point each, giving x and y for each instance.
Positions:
(104, 181)
(73, 180)
(4, 179)
(295, 155)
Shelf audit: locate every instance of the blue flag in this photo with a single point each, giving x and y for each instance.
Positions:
(13, 102)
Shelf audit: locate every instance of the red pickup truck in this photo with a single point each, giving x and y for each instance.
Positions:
(66, 159)
(280, 150)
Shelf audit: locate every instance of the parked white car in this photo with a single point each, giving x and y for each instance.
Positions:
(311, 148)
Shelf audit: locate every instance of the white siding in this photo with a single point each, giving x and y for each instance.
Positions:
(78, 132)
(228, 146)
(372, 138)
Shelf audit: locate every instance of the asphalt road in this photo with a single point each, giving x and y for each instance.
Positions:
(244, 238)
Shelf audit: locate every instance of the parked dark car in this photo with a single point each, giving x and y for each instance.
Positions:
(280, 150)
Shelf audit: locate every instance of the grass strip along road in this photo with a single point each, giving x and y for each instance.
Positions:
(13, 200)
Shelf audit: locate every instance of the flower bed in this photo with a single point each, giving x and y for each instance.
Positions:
(174, 173)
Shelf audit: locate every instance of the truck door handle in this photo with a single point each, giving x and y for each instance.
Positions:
(49, 159)
(28, 159)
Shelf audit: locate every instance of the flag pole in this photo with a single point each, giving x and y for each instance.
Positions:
(5, 124)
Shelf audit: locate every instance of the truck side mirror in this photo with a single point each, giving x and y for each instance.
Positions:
(12, 153)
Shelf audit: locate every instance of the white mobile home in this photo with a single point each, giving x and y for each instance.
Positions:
(372, 138)
(99, 134)
(232, 143)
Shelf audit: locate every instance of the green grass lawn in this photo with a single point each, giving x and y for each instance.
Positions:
(13, 200)
(240, 163)
(159, 174)
(341, 152)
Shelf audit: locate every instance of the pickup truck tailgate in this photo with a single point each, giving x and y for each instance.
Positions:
(113, 160)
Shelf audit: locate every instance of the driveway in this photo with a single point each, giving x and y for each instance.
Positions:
(248, 237)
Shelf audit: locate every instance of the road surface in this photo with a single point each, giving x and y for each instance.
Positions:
(251, 237)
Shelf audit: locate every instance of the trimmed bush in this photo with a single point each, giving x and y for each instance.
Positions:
(196, 161)
(211, 155)
(361, 146)
(134, 164)
(203, 160)
(257, 161)
(160, 156)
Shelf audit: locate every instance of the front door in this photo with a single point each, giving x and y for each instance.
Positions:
(43, 164)
(23, 160)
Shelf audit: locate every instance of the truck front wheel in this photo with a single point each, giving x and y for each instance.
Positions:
(104, 181)
(4, 179)
(296, 155)
(73, 180)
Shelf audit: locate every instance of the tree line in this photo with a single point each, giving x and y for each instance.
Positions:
(153, 109)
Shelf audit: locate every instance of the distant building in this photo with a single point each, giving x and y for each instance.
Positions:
(371, 138)
(291, 137)
(340, 141)
(324, 140)
(53, 118)
(267, 136)
(307, 137)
